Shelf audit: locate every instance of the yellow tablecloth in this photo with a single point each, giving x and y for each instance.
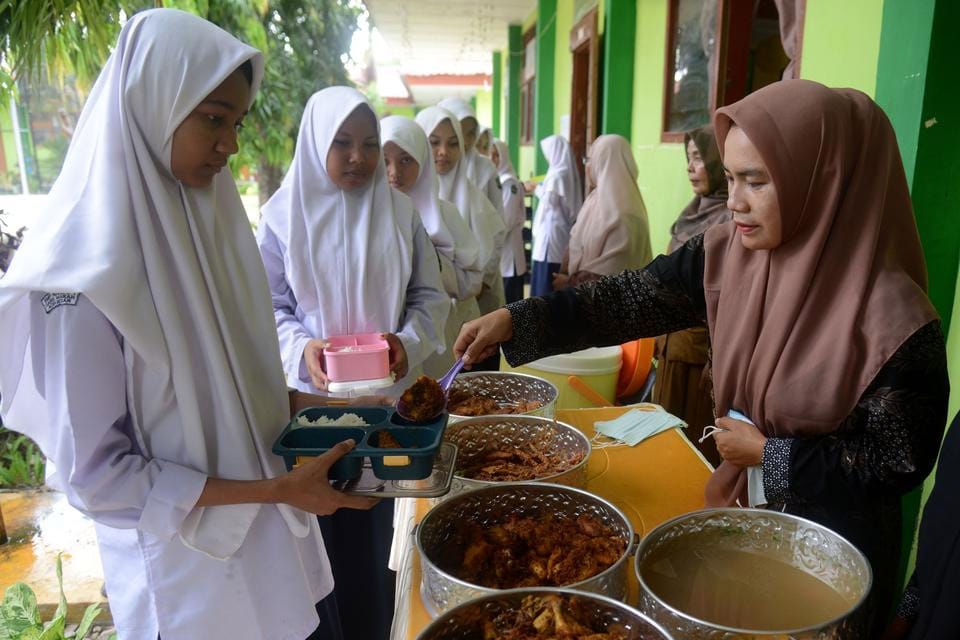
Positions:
(658, 479)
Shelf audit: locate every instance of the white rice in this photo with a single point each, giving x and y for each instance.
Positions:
(346, 420)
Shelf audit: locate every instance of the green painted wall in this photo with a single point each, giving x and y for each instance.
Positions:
(544, 95)
(484, 106)
(662, 166)
(497, 105)
(408, 111)
(841, 41)
(513, 61)
(563, 64)
(916, 86)
(617, 69)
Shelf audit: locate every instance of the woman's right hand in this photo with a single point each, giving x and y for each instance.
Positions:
(313, 358)
(307, 487)
(479, 339)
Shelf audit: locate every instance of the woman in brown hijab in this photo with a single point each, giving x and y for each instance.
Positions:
(683, 384)
(815, 299)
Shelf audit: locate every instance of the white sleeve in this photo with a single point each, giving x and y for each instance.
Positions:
(448, 275)
(494, 192)
(293, 335)
(469, 278)
(427, 305)
(514, 211)
(79, 366)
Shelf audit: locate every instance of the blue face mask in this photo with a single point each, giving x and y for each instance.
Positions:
(635, 426)
(755, 493)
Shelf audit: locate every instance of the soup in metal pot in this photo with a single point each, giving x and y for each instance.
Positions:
(740, 589)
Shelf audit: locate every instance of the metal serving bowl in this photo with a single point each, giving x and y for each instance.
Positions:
(474, 435)
(508, 388)
(801, 543)
(492, 505)
(465, 622)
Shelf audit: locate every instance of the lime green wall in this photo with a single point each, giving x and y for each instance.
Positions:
(408, 111)
(841, 43)
(663, 178)
(563, 59)
(484, 107)
(526, 169)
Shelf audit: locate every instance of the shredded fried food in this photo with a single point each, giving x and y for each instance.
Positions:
(386, 440)
(462, 403)
(533, 551)
(423, 400)
(550, 617)
(530, 463)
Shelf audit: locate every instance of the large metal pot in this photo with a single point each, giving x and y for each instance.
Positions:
(492, 505)
(508, 387)
(798, 542)
(465, 622)
(473, 437)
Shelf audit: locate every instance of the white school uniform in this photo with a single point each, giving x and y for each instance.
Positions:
(513, 261)
(459, 253)
(140, 354)
(560, 198)
(345, 262)
(480, 170)
(486, 224)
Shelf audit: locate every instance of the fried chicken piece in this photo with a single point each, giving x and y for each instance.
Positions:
(386, 440)
(423, 400)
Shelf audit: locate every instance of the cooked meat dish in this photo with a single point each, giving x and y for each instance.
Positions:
(423, 400)
(530, 463)
(463, 403)
(541, 551)
(386, 440)
(550, 617)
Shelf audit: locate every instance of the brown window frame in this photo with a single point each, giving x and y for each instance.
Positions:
(721, 93)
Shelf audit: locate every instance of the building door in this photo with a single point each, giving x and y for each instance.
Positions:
(585, 94)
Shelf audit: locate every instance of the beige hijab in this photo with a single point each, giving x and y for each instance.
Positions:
(800, 331)
(703, 211)
(612, 233)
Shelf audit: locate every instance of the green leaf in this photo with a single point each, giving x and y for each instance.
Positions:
(61, 613)
(86, 623)
(54, 630)
(18, 613)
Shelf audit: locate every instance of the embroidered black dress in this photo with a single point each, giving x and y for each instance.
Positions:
(850, 480)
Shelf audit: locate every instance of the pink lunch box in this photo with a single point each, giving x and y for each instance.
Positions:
(365, 356)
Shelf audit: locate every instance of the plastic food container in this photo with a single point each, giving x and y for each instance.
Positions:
(598, 367)
(419, 442)
(365, 356)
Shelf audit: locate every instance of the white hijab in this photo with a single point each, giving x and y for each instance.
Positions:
(425, 193)
(348, 255)
(174, 269)
(480, 169)
(505, 165)
(562, 177)
(455, 187)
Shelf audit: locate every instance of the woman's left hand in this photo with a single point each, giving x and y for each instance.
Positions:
(560, 281)
(740, 443)
(398, 356)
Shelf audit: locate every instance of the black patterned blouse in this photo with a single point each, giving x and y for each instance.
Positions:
(850, 480)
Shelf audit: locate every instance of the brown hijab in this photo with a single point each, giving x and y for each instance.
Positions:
(703, 211)
(799, 331)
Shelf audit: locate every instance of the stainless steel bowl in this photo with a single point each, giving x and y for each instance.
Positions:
(492, 505)
(465, 622)
(474, 435)
(801, 543)
(507, 387)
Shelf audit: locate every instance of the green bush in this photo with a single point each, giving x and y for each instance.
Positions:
(20, 616)
(21, 462)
